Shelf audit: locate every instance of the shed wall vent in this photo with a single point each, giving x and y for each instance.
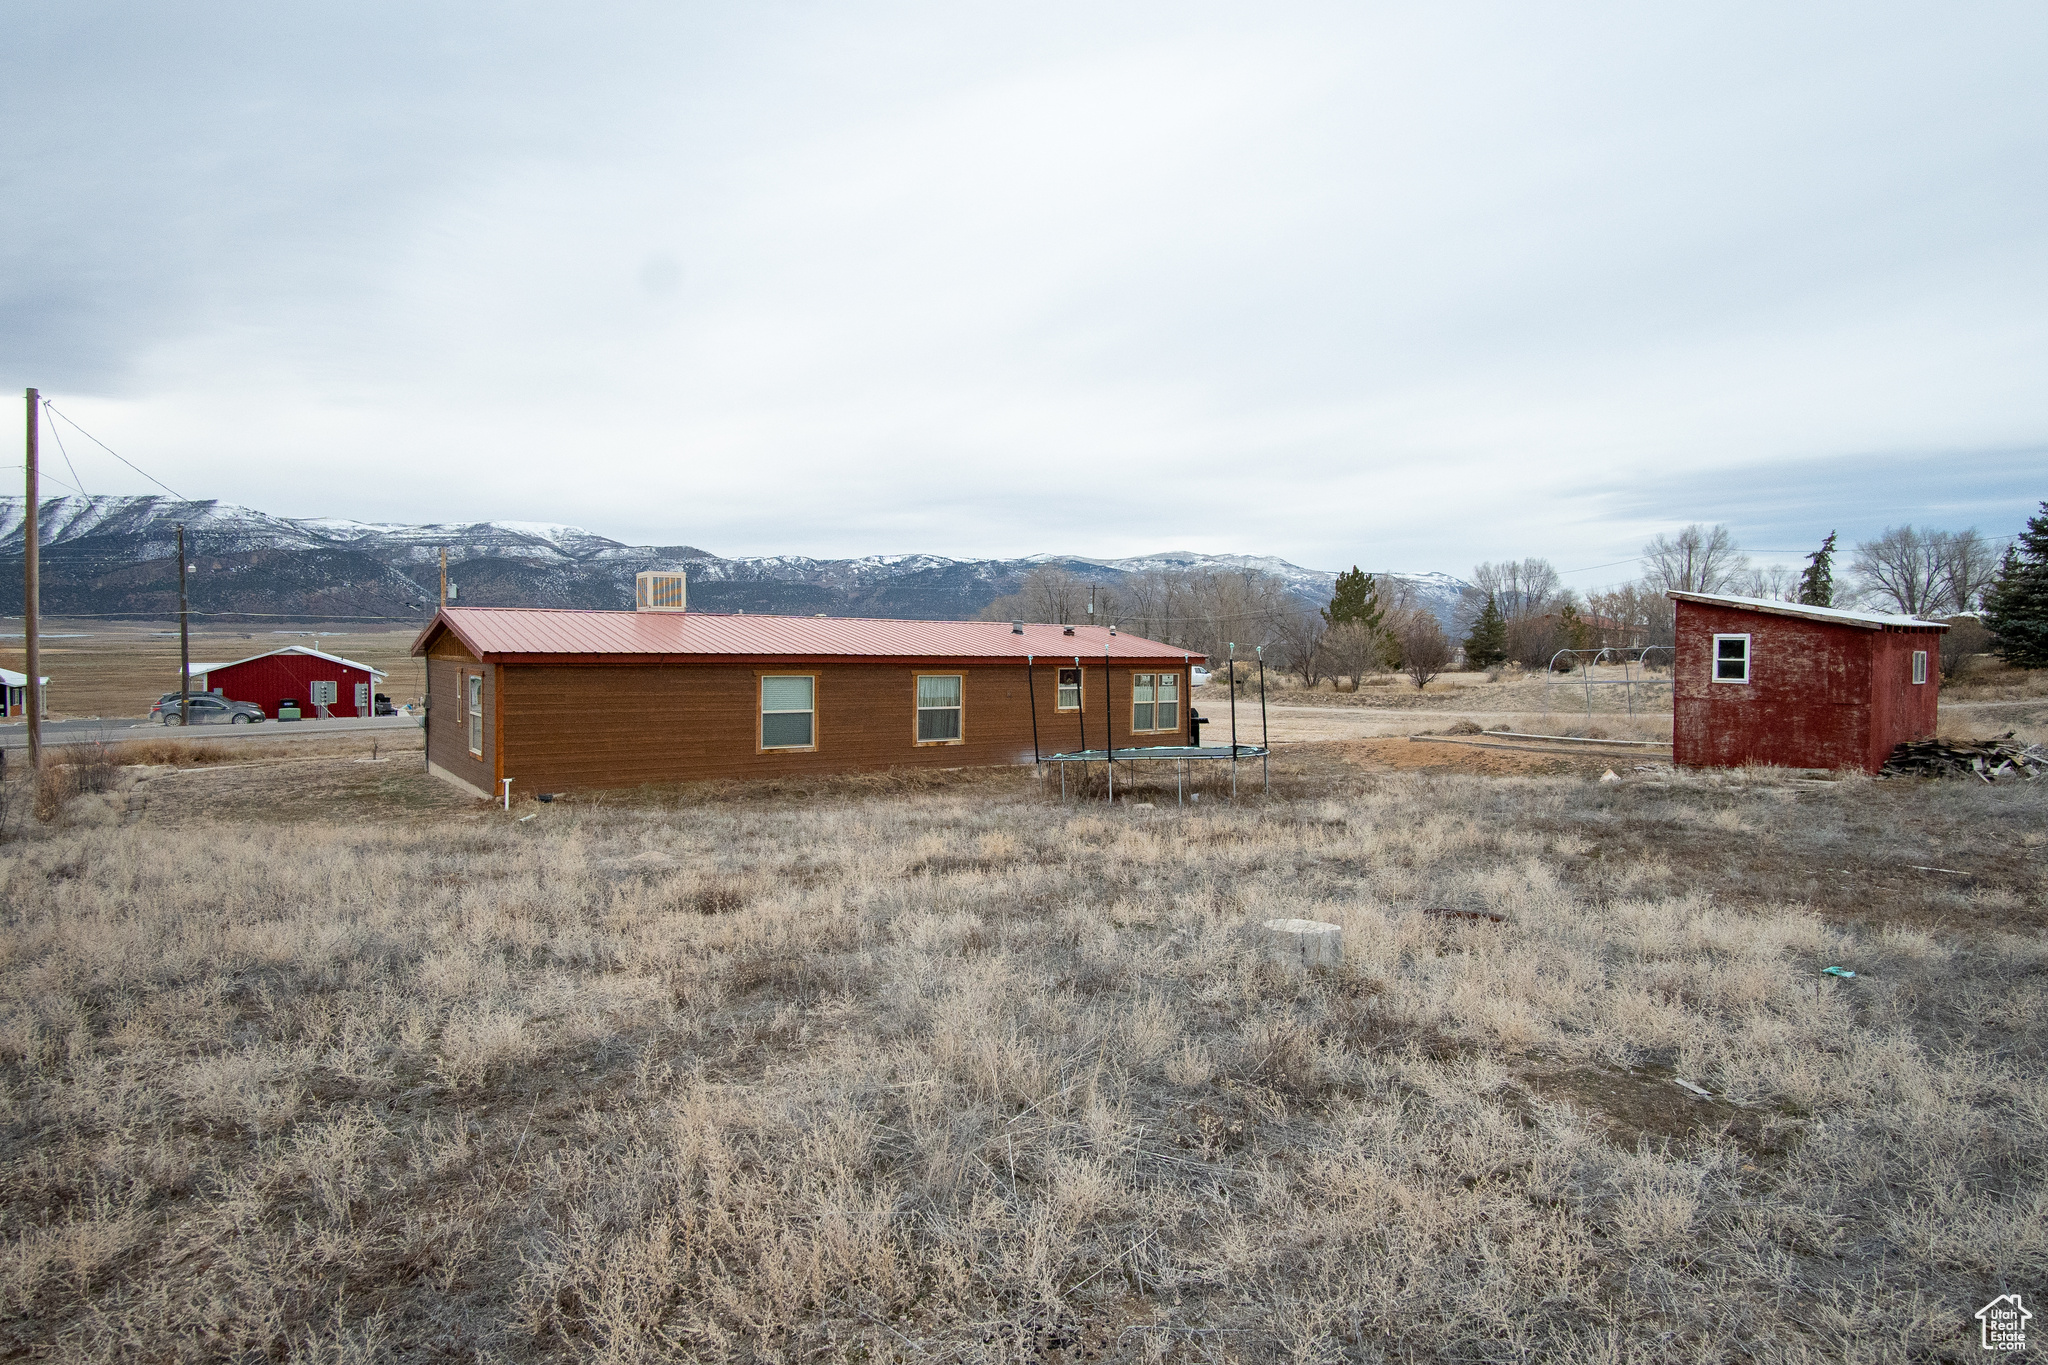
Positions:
(660, 590)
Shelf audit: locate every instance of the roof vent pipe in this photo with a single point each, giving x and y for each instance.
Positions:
(1016, 627)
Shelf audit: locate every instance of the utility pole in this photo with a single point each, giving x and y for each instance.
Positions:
(184, 639)
(444, 575)
(31, 588)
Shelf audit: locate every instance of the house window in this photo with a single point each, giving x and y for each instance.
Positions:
(1919, 665)
(789, 712)
(473, 689)
(1731, 658)
(1155, 701)
(1070, 689)
(938, 708)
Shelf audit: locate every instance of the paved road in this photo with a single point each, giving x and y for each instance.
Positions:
(14, 734)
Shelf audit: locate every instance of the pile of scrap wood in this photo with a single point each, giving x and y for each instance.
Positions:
(1988, 759)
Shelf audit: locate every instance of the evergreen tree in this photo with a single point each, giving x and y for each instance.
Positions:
(1578, 634)
(2017, 605)
(1356, 601)
(1817, 579)
(1487, 645)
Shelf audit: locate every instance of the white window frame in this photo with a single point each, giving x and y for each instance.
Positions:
(761, 714)
(1919, 667)
(1748, 659)
(917, 710)
(1155, 728)
(1059, 689)
(473, 701)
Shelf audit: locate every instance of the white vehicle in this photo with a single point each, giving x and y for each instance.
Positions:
(1198, 676)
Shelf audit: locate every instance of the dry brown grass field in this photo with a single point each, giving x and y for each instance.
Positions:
(98, 668)
(305, 1057)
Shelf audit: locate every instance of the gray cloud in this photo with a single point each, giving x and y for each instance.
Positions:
(1339, 283)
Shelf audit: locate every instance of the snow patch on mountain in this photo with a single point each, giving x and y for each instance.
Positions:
(143, 528)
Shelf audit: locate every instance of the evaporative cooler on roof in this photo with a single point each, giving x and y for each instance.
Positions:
(659, 590)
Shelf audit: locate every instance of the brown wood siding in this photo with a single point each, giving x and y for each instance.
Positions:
(448, 721)
(598, 725)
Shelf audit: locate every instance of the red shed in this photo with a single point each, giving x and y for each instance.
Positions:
(313, 679)
(1758, 681)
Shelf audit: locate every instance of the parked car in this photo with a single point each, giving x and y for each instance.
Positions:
(1198, 676)
(383, 706)
(207, 709)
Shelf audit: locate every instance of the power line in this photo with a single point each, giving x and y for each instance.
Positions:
(58, 436)
(52, 478)
(115, 453)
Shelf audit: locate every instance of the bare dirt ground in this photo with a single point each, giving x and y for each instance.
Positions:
(1512, 691)
(305, 1056)
(98, 668)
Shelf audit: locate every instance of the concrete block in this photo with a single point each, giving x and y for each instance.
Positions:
(1304, 942)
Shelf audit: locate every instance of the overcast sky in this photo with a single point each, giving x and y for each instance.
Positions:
(1404, 286)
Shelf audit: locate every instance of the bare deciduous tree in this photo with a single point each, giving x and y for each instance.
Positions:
(1298, 644)
(1520, 590)
(1203, 610)
(1897, 570)
(1969, 568)
(1924, 572)
(1772, 582)
(1697, 559)
(1200, 610)
(1049, 594)
(1352, 651)
(1528, 595)
(1965, 638)
(1425, 650)
(1633, 615)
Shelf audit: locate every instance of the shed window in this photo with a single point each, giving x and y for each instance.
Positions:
(789, 712)
(473, 691)
(1070, 689)
(1919, 665)
(1155, 701)
(1731, 658)
(939, 708)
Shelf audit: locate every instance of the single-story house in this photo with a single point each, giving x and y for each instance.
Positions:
(557, 699)
(1757, 681)
(308, 676)
(14, 688)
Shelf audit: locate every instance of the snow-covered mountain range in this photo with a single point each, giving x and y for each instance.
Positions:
(116, 556)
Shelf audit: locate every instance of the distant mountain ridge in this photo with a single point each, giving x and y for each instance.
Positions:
(115, 556)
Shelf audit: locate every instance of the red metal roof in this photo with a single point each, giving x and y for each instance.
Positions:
(498, 632)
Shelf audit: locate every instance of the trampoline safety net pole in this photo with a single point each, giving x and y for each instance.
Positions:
(1266, 758)
(1031, 695)
(1081, 714)
(1108, 728)
(1233, 719)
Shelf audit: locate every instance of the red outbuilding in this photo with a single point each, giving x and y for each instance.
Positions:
(1758, 681)
(306, 676)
